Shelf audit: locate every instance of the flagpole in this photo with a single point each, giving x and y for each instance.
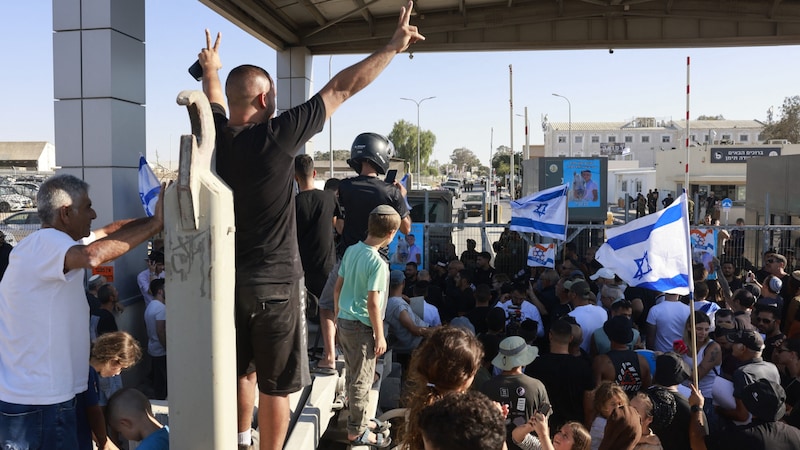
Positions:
(685, 214)
(566, 231)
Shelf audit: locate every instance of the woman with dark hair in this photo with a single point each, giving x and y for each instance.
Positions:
(571, 436)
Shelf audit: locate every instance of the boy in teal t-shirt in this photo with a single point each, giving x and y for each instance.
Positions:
(359, 301)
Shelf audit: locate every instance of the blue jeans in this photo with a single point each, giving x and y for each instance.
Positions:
(34, 427)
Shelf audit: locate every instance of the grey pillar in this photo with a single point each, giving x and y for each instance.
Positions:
(295, 82)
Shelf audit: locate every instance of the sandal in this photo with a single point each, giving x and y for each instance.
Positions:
(379, 425)
(381, 441)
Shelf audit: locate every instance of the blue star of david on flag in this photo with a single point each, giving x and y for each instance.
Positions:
(542, 255)
(543, 213)
(652, 252)
(643, 267)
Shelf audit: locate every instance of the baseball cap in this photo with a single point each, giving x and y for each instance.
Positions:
(749, 338)
(603, 273)
(764, 399)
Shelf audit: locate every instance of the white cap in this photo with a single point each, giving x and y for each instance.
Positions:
(603, 273)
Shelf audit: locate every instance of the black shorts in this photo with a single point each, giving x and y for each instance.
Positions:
(271, 331)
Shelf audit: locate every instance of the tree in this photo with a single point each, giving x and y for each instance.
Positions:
(338, 155)
(717, 117)
(501, 161)
(404, 138)
(464, 158)
(788, 127)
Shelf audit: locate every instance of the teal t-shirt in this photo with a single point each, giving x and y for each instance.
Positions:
(363, 270)
(156, 441)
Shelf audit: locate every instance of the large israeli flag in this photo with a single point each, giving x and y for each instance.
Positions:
(149, 187)
(653, 251)
(543, 213)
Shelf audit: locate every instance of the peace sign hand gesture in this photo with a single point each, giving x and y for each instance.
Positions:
(405, 34)
(209, 56)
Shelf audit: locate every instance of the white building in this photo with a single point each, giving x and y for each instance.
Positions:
(640, 138)
(28, 156)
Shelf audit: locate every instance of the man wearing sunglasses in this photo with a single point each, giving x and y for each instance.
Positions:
(768, 322)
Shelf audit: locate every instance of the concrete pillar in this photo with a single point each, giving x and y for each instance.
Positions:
(295, 82)
(99, 86)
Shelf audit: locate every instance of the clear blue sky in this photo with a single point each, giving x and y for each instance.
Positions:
(471, 89)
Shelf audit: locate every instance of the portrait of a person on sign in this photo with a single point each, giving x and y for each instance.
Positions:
(582, 176)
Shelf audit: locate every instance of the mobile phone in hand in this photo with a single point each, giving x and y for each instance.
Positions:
(390, 176)
(545, 409)
(196, 70)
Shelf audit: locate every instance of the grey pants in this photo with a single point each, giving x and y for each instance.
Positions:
(358, 345)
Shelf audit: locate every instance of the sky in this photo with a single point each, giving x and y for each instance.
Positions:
(471, 108)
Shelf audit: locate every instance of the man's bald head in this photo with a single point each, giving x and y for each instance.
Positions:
(246, 84)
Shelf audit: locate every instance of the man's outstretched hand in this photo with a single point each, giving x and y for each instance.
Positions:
(405, 34)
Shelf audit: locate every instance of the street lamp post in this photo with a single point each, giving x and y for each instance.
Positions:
(418, 103)
(569, 105)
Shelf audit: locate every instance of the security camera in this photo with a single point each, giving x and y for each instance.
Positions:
(611, 51)
(410, 55)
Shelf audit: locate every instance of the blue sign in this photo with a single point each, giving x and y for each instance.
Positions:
(727, 203)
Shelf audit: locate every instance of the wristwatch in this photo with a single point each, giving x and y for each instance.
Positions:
(696, 408)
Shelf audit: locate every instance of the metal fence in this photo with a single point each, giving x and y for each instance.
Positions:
(509, 249)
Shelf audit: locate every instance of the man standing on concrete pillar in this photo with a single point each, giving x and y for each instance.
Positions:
(255, 156)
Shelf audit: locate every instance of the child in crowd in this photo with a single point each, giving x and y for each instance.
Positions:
(130, 413)
(359, 305)
(444, 362)
(644, 406)
(571, 436)
(111, 354)
(607, 397)
(462, 420)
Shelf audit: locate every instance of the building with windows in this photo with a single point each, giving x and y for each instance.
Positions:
(640, 138)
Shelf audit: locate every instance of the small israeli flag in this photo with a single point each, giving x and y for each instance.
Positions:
(542, 255)
(543, 213)
(404, 182)
(149, 187)
(652, 252)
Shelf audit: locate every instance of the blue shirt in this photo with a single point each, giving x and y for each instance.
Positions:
(156, 441)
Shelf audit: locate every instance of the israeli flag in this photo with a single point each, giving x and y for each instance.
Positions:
(652, 252)
(542, 255)
(149, 187)
(543, 213)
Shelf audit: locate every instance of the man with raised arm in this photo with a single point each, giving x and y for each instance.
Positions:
(255, 156)
(44, 316)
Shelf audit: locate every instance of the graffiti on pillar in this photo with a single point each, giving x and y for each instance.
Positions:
(188, 255)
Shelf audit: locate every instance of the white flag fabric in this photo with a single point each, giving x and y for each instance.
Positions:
(653, 251)
(543, 213)
(542, 255)
(404, 182)
(149, 187)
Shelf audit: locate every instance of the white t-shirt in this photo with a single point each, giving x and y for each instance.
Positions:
(44, 322)
(413, 253)
(155, 311)
(589, 317)
(669, 318)
(527, 311)
(143, 280)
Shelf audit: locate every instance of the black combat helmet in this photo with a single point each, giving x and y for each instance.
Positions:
(371, 147)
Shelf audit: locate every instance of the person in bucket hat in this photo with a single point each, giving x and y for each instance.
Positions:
(523, 395)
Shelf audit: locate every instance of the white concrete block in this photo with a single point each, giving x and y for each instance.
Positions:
(113, 66)
(67, 64)
(68, 133)
(126, 16)
(113, 133)
(66, 15)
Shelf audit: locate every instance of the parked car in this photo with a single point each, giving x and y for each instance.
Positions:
(30, 190)
(473, 204)
(454, 187)
(20, 225)
(10, 200)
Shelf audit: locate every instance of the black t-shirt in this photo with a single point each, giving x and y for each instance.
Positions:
(257, 162)
(566, 378)
(477, 317)
(107, 322)
(676, 435)
(315, 211)
(358, 196)
(756, 436)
